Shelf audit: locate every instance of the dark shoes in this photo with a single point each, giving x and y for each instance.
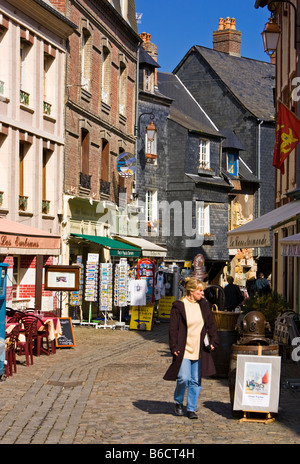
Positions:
(192, 415)
(178, 410)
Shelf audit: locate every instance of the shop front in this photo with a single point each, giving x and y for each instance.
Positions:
(27, 250)
(278, 229)
(106, 265)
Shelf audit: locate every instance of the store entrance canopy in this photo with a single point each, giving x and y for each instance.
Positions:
(149, 249)
(116, 248)
(290, 246)
(256, 234)
(18, 238)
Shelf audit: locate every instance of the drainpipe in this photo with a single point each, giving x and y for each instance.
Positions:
(259, 164)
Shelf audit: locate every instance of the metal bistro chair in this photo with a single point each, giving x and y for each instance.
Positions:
(11, 341)
(40, 335)
(14, 315)
(26, 347)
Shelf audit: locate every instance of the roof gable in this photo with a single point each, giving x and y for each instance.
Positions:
(250, 81)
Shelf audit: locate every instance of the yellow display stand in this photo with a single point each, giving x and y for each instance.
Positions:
(141, 317)
(164, 307)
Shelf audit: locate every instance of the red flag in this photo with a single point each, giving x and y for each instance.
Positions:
(287, 136)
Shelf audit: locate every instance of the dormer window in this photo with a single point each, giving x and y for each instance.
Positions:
(232, 164)
(204, 154)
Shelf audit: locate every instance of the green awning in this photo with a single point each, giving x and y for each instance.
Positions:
(116, 248)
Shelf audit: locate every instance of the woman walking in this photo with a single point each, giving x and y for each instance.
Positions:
(191, 319)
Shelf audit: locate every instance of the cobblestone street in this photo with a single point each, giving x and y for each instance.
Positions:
(109, 390)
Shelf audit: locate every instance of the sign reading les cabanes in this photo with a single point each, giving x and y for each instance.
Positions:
(16, 241)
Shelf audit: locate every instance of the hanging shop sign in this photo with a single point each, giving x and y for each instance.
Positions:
(64, 278)
(126, 165)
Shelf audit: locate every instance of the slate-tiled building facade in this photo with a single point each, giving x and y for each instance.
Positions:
(237, 94)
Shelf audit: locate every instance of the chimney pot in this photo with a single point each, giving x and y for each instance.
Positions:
(227, 39)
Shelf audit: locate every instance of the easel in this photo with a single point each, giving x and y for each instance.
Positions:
(246, 417)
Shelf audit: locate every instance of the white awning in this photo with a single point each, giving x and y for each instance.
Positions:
(149, 249)
(256, 233)
(290, 246)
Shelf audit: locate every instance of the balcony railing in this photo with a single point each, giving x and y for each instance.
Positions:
(104, 187)
(45, 206)
(85, 180)
(47, 108)
(23, 203)
(24, 98)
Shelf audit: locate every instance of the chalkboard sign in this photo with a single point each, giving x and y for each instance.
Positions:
(67, 338)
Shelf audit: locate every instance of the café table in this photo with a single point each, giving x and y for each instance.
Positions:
(53, 325)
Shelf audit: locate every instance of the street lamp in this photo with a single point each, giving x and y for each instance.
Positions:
(272, 30)
(270, 36)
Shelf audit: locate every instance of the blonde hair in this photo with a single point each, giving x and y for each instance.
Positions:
(193, 283)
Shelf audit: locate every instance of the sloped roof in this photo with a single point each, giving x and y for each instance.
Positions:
(144, 57)
(251, 81)
(185, 110)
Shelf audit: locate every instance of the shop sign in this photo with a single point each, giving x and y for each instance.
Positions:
(253, 240)
(290, 250)
(19, 241)
(125, 253)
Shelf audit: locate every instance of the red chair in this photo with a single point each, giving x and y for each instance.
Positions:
(14, 315)
(26, 347)
(11, 341)
(40, 336)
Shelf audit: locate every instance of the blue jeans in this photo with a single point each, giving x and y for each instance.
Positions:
(189, 378)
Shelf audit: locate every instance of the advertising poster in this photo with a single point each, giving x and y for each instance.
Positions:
(257, 383)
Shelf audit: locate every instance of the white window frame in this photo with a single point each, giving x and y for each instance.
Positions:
(203, 218)
(204, 154)
(151, 207)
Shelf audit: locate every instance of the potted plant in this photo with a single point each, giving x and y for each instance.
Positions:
(270, 305)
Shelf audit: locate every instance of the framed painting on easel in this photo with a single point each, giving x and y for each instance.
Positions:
(257, 384)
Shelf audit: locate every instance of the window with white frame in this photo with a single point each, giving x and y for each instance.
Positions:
(204, 154)
(203, 218)
(151, 209)
(105, 91)
(122, 89)
(86, 59)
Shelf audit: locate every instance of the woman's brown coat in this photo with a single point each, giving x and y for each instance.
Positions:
(178, 335)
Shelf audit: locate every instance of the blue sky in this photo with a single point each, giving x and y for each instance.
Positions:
(176, 25)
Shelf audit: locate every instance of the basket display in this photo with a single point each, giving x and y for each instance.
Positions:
(225, 320)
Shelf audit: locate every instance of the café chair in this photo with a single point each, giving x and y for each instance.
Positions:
(26, 347)
(11, 341)
(14, 315)
(40, 336)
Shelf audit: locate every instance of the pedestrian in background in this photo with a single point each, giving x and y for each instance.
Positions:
(233, 295)
(191, 319)
(262, 285)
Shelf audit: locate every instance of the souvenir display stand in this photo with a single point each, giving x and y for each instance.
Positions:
(146, 271)
(76, 296)
(91, 283)
(105, 293)
(121, 288)
(3, 278)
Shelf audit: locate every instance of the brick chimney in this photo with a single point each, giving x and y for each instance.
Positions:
(150, 48)
(227, 39)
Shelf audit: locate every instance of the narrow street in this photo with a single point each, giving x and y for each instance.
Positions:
(109, 390)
